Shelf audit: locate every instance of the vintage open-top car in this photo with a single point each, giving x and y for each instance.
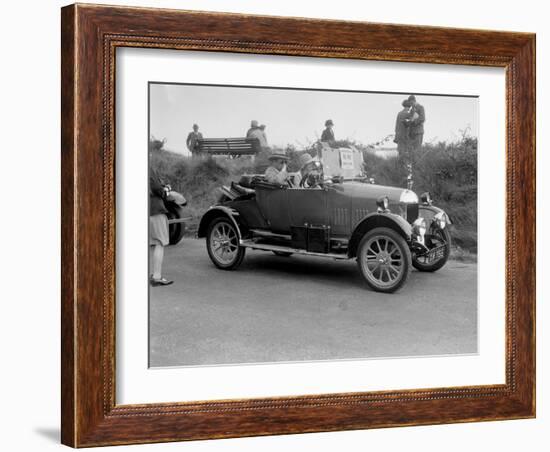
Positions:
(387, 229)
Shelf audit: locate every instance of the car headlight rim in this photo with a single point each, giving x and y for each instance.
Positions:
(426, 198)
(408, 197)
(383, 203)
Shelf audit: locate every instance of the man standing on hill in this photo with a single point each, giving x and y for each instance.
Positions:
(416, 127)
(402, 137)
(403, 140)
(193, 139)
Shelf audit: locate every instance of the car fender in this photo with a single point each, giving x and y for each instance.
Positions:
(376, 220)
(428, 212)
(215, 212)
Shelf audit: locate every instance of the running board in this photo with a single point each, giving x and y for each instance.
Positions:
(269, 234)
(341, 243)
(286, 249)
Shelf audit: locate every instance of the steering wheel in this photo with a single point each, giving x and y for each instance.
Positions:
(311, 180)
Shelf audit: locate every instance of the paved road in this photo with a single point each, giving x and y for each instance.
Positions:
(302, 308)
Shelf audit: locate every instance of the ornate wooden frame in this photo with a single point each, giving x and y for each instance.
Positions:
(90, 35)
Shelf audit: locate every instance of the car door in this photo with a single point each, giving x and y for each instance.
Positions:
(307, 205)
(273, 204)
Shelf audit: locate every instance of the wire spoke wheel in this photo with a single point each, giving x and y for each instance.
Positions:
(223, 244)
(384, 259)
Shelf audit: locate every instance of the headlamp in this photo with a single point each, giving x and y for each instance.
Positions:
(383, 203)
(426, 198)
(408, 197)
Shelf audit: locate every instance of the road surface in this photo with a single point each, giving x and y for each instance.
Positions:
(298, 308)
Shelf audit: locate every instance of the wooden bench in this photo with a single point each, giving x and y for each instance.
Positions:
(228, 146)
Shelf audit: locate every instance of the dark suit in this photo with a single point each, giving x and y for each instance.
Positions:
(417, 124)
(402, 131)
(327, 135)
(416, 128)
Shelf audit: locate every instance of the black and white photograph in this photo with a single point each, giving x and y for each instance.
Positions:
(340, 241)
(296, 225)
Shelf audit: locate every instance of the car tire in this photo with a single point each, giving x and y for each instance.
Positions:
(222, 244)
(436, 265)
(282, 253)
(384, 259)
(176, 230)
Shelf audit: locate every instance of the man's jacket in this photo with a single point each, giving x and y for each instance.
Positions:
(401, 127)
(328, 135)
(417, 124)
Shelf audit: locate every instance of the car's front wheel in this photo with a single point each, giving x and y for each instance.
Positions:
(439, 243)
(384, 259)
(222, 244)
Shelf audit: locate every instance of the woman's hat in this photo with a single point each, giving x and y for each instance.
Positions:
(305, 159)
(329, 122)
(278, 155)
(253, 123)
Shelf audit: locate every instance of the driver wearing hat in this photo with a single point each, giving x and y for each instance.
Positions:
(277, 173)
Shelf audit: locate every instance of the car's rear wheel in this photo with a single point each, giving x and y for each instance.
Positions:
(175, 230)
(222, 244)
(384, 259)
(439, 242)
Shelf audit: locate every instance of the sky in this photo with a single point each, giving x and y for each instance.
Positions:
(296, 116)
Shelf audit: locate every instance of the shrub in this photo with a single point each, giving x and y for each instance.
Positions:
(156, 145)
(198, 179)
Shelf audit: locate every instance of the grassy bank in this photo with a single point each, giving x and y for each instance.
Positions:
(447, 171)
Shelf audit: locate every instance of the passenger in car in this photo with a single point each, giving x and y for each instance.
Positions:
(277, 172)
(310, 174)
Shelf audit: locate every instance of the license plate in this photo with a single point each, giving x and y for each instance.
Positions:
(436, 253)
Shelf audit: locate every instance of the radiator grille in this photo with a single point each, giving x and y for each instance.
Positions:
(412, 212)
